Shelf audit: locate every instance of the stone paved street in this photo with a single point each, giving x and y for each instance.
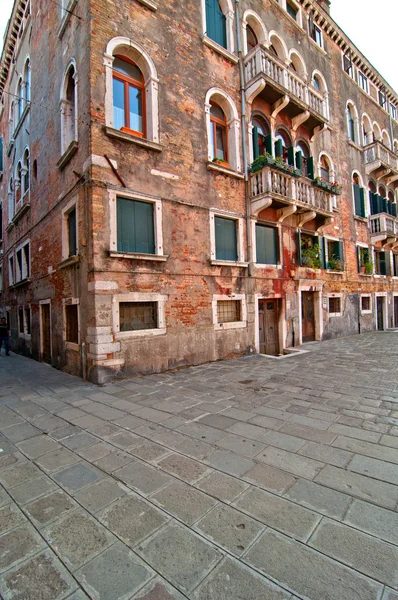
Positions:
(249, 479)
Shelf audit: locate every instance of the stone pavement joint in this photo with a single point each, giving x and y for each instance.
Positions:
(248, 478)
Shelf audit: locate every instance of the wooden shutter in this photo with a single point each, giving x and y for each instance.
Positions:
(373, 203)
(256, 149)
(290, 155)
(135, 226)
(269, 144)
(393, 209)
(299, 160)
(320, 241)
(226, 239)
(338, 250)
(387, 262)
(298, 249)
(216, 25)
(384, 204)
(278, 148)
(389, 207)
(359, 258)
(266, 245)
(72, 241)
(310, 167)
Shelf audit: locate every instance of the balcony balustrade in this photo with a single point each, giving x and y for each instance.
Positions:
(381, 162)
(302, 101)
(383, 227)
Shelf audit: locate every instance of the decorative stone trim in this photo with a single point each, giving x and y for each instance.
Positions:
(69, 262)
(134, 256)
(223, 51)
(128, 137)
(67, 155)
(149, 3)
(212, 166)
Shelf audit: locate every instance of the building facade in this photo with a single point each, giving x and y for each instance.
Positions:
(183, 182)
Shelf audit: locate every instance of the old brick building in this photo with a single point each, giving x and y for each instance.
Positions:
(184, 181)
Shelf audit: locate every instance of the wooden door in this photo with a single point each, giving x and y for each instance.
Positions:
(308, 316)
(268, 325)
(45, 332)
(380, 313)
(395, 311)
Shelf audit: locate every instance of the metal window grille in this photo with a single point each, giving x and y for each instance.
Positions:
(228, 311)
(72, 328)
(135, 316)
(334, 305)
(365, 303)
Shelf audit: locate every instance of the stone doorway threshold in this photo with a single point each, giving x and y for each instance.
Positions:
(287, 353)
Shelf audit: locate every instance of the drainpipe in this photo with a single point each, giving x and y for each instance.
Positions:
(244, 138)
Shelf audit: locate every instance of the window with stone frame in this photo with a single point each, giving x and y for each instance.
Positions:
(229, 311)
(334, 305)
(136, 316)
(72, 323)
(366, 304)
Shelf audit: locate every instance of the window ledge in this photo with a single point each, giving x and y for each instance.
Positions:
(21, 120)
(366, 274)
(127, 137)
(9, 226)
(336, 314)
(68, 262)
(377, 276)
(66, 18)
(354, 145)
(317, 45)
(10, 146)
(126, 335)
(149, 3)
(366, 312)
(334, 272)
(216, 167)
(361, 219)
(234, 325)
(223, 51)
(137, 256)
(21, 211)
(267, 266)
(228, 263)
(67, 155)
(21, 283)
(72, 346)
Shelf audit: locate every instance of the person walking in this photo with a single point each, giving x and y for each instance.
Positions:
(4, 336)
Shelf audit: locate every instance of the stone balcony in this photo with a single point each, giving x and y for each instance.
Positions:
(381, 162)
(383, 228)
(290, 195)
(270, 78)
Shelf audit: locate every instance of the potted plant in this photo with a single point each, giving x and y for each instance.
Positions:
(311, 256)
(335, 264)
(368, 268)
(220, 161)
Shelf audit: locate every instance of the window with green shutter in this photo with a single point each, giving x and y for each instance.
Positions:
(216, 23)
(359, 200)
(226, 239)
(335, 255)
(266, 245)
(135, 226)
(381, 262)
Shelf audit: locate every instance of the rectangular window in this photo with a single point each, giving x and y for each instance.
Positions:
(1, 155)
(266, 245)
(20, 321)
(363, 82)
(366, 304)
(359, 200)
(365, 265)
(27, 320)
(382, 99)
(135, 316)
(393, 112)
(72, 230)
(381, 266)
(216, 23)
(334, 250)
(334, 306)
(226, 239)
(135, 226)
(291, 10)
(316, 35)
(72, 323)
(22, 263)
(347, 65)
(229, 311)
(11, 276)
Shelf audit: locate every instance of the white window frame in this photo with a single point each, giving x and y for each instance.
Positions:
(352, 74)
(157, 223)
(321, 45)
(276, 226)
(363, 82)
(23, 274)
(228, 10)
(234, 324)
(228, 106)
(332, 238)
(393, 110)
(239, 238)
(370, 250)
(67, 302)
(11, 270)
(67, 7)
(299, 18)
(367, 312)
(379, 275)
(337, 314)
(160, 299)
(64, 106)
(65, 234)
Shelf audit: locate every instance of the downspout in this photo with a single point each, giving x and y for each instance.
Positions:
(244, 138)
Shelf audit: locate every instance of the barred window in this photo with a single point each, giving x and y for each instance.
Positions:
(365, 303)
(135, 316)
(334, 305)
(229, 311)
(72, 323)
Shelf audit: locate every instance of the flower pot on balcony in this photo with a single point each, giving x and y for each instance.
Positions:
(262, 161)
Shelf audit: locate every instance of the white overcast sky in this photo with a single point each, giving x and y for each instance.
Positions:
(372, 27)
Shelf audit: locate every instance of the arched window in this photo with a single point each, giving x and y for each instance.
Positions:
(251, 38)
(298, 64)
(359, 196)
(372, 187)
(69, 109)
(278, 47)
(26, 172)
(11, 203)
(131, 101)
(391, 196)
(222, 124)
(18, 183)
(351, 123)
(376, 132)
(324, 168)
(218, 133)
(128, 97)
(316, 83)
(382, 191)
(282, 143)
(367, 130)
(27, 78)
(386, 139)
(259, 132)
(302, 147)
(19, 101)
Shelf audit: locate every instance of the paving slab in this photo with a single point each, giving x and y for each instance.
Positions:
(142, 477)
(183, 501)
(77, 476)
(326, 454)
(375, 468)
(241, 445)
(98, 495)
(115, 573)
(32, 489)
(54, 461)
(307, 573)
(80, 440)
(42, 577)
(377, 521)
(37, 446)
(389, 454)
(132, 519)
(230, 463)
(158, 589)
(269, 478)
(283, 441)
(319, 498)
(113, 461)
(222, 486)
(182, 467)
(190, 561)
(292, 463)
(48, 508)
(17, 545)
(18, 473)
(10, 517)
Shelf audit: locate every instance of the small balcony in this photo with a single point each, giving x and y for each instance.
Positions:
(381, 162)
(291, 195)
(383, 228)
(269, 78)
